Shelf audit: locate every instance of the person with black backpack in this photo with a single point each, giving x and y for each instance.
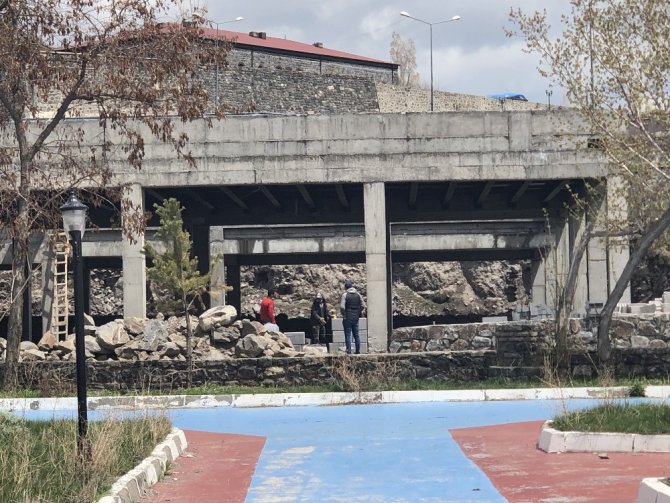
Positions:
(352, 306)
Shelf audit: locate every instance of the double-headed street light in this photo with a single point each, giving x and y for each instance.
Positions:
(74, 224)
(455, 18)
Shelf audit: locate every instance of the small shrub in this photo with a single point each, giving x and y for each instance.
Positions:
(637, 389)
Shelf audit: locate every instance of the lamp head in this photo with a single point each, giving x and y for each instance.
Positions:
(404, 13)
(456, 18)
(74, 214)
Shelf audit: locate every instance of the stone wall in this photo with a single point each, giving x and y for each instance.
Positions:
(163, 375)
(272, 89)
(282, 63)
(394, 98)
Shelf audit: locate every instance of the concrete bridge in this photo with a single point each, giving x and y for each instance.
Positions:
(373, 188)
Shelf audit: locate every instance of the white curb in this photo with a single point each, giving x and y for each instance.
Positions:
(134, 485)
(320, 399)
(552, 440)
(653, 491)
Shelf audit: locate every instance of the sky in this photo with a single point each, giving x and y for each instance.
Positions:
(472, 55)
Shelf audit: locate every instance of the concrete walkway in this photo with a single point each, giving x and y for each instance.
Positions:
(522, 473)
(429, 451)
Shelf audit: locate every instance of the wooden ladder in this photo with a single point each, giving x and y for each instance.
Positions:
(60, 309)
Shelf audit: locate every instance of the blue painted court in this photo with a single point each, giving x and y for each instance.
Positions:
(373, 453)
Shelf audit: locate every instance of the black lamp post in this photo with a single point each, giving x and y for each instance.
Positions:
(74, 223)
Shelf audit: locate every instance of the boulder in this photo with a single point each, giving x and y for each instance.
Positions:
(224, 335)
(134, 325)
(47, 342)
(252, 328)
(130, 351)
(27, 346)
(178, 339)
(658, 344)
(217, 316)
(252, 346)
(88, 320)
(155, 335)
(170, 349)
(33, 355)
(91, 345)
(111, 336)
(65, 347)
(3, 344)
(479, 342)
(639, 341)
(90, 330)
(311, 351)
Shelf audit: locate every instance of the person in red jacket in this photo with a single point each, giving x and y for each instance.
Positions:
(267, 314)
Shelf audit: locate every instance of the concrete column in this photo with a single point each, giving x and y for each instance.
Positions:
(233, 280)
(607, 256)
(538, 291)
(374, 204)
(134, 265)
(217, 292)
(577, 226)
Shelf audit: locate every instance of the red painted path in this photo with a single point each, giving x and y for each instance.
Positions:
(522, 473)
(216, 467)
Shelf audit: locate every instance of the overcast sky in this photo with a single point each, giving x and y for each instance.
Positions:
(472, 55)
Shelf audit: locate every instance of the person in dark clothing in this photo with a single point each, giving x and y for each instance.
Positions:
(352, 306)
(318, 319)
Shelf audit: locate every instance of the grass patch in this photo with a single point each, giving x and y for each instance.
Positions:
(643, 418)
(38, 459)
(350, 379)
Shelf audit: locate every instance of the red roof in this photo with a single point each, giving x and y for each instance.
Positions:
(282, 44)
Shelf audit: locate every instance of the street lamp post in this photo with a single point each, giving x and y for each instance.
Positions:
(430, 25)
(74, 223)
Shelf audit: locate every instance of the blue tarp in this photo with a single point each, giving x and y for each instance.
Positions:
(508, 96)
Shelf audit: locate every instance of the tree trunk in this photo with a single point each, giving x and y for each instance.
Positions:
(15, 324)
(189, 349)
(567, 296)
(654, 232)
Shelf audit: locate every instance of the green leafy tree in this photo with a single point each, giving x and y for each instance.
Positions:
(175, 271)
(613, 60)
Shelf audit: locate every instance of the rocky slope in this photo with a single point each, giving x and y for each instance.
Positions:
(423, 289)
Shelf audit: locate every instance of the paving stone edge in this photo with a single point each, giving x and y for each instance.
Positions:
(552, 440)
(135, 484)
(653, 490)
(316, 399)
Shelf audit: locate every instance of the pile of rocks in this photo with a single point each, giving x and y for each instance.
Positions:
(216, 336)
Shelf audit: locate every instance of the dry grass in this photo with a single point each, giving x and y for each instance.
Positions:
(39, 462)
(359, 374)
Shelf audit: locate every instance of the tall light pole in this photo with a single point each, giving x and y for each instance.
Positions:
(454, 18)
(74, 223)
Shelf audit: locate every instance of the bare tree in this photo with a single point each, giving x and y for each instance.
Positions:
(613, 60)
(117, 61)
(403, 52)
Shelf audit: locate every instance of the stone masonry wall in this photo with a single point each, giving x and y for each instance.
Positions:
(394, 98)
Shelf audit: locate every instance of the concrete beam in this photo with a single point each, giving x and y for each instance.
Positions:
(306, 196)
(198, 199)
(554, 192)
(484, 193)
(449, 195)
(273, 200)
(342, 196)
(413, 192)
(234, 198)
(519, 192)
